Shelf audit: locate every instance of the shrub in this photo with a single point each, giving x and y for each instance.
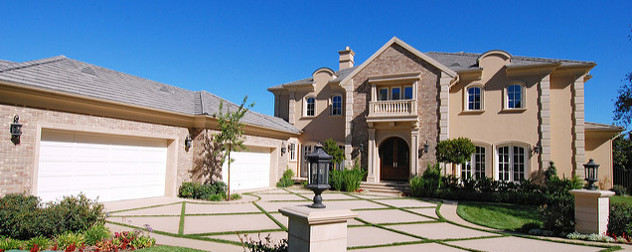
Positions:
(558, 213)
(9, 243)
(286, 179)
(193, 190)
(70, 240)
(37, 243)
(528, 227)
(76, 213)
(620, 219)
(428, 183)
(346, 179)
(336, 179)
(23, 217)
(263, 245)
(619, 190)
(97, 233)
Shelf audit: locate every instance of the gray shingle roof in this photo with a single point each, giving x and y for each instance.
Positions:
(340, 73)
(75, 77)
(599, 126)
(465, 61)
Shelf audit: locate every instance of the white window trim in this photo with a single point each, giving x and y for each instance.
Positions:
(305, 106)
(466, 98)
(527, 160)
(331, 105)
(523, 96)
(292, 151)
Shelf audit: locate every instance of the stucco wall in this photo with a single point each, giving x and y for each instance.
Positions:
(18, 162)
(599, 148)
(561, 125)
(394, 60)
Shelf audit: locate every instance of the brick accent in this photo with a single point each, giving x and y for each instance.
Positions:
(396, 60)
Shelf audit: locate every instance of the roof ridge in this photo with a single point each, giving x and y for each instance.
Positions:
(518, 57)
(34, 63)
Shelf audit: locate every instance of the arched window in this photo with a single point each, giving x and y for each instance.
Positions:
(336, 105)
(310, 106)
(474, 98)
(515, 96)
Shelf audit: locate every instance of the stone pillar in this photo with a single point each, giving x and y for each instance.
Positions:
(578, 127)
(592, 208)
(291, 109)
(312, 229)
(371, 174)
(444, 95)
(545, 122)
(414, 150)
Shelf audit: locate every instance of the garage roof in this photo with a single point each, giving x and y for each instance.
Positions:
(75, 77)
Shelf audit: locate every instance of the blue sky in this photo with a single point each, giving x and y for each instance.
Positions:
(237, 48)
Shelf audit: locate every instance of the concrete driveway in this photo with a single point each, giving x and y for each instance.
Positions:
(385, 223)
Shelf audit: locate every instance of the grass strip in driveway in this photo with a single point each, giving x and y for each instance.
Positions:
(234, 232)
(182, 215)
(270, 216)
(297, 194)
(145, 207)
(194, 237)
(388, 245)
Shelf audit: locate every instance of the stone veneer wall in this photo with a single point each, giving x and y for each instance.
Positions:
(17, 161)
(392, 61)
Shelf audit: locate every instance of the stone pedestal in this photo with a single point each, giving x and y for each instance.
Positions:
(592, 208)
(312, 229)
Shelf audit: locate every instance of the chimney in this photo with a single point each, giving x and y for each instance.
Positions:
(346, 58)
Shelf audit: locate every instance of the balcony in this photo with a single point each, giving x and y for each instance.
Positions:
(396, 110)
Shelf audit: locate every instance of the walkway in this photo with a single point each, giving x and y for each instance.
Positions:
(384, 223)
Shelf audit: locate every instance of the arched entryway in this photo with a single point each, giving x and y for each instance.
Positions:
(394, 159)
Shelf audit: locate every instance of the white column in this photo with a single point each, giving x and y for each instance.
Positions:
(371, 176)
(414, 147)
(348, 119)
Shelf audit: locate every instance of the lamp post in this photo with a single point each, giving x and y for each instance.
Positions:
(319, 163)
(591, 170)
(16, 130)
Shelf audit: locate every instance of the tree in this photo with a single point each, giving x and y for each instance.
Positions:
(230, 133)
(623, 104)
(455, 151)
(209, 166)
(331, 147)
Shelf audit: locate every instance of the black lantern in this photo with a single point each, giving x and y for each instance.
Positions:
(16, 130)
(426, 147)
(591, 174)
(319, 163)
(282, 149)
(187, 142)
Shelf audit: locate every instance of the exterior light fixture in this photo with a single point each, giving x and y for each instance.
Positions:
(537, 149)
(361, 147)
(319, 163)
(283, 149)
(16, 130)
(426, 147)
(591, 170)
(187, 142)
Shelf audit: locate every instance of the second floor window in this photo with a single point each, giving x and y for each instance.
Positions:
(310, 106)
(514, 97)
(474, 98)
(395, 93)
(336, 105)
(408, 93)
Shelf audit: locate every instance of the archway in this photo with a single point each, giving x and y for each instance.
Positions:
(394, 159)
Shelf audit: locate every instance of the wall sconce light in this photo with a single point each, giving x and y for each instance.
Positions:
(187, 142)
(16, 130)
(426, 147)
(283, 149)
(361, 148)
(537, 149)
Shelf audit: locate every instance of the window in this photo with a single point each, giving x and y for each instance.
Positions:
(336, 105)
(292, 150)
(475, 168)
(383, 95)
(310, 106)
(408, 93)
(474, 98)
(395, 93)
(514, 96)
(511, 163)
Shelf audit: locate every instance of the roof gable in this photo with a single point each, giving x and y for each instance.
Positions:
(409, 48)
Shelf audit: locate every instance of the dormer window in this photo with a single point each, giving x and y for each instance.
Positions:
(310, 106)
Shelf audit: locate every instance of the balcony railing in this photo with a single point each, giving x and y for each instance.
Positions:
(392, 108)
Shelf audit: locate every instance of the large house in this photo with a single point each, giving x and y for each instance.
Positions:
(390, 111)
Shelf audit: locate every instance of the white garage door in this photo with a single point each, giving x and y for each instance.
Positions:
(250, 170)
(103, 166)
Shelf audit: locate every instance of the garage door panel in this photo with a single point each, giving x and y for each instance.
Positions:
(249, 170)
(110, 167)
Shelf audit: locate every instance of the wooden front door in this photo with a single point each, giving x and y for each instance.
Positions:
(394, 159)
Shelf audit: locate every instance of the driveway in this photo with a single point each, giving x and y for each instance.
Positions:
(384, 223)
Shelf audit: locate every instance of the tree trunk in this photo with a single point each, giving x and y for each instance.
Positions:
(228, 177)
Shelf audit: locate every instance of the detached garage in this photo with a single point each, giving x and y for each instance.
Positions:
(104, 166)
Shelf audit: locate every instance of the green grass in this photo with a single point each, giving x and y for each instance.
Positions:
(621, 199)
(164, 248)
(497, 215)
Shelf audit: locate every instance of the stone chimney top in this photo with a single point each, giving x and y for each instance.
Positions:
(346, 58)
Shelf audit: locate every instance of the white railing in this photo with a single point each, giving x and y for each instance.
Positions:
(393, 107)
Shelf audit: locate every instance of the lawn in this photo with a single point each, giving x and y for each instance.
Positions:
(498, 215)
(621, 199)
(163, 248)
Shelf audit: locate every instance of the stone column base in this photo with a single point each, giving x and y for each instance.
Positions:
(592, 208)
(311, 229)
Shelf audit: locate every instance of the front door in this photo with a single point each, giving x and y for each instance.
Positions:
(394, 159)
